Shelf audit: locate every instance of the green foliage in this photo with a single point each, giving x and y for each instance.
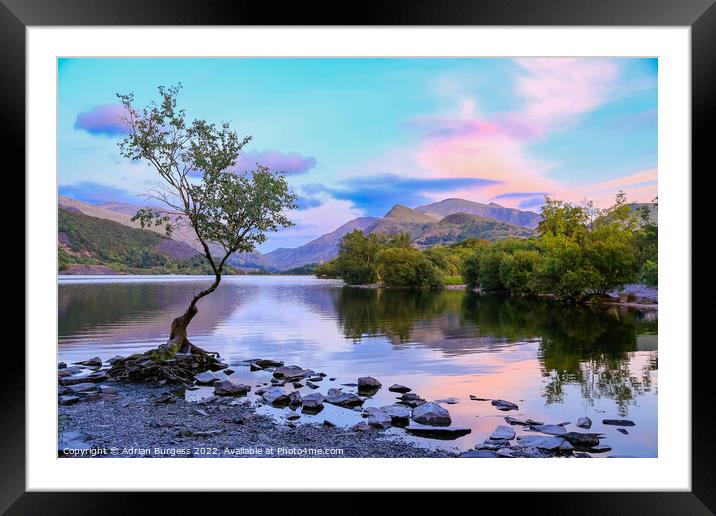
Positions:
(357, 260)
(581, 252)
(407, 267)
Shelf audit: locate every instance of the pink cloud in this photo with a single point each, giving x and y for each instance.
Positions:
(558, 88)
(105, 120)
(289, 163)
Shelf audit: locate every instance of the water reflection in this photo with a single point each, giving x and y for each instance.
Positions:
(588, 346)
(558, 362)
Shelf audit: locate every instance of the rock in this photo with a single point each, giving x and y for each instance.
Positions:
(227, 372)
(291, 373)
(582, 440)
(92, 362)
(343, 399)
(504, 405)
(437, 432)
(368, 383)
(62, 373)
(329, 424)
(239, 420)
(533, 422)
(82, 387)
(311, 385)
(411, 399)
(317, 378)
(206, 378)
(229, 388)
(503, 432)
(432, 414)
(253, 368)
(361, 427)
(264, 363)
(331, 379)
(539, 441)
(623, 431)
(549, 429)
(491, 447)
(618, 422)
(514, 421)
(505, 452)
(313, 400)
(275, 396)
(478, 454)
(98, 376)
(349, 384)
(218, 366)
(294, 399)
(475, 398)
(61, 365)
(106, 389)
(73, 440)
(496, 443)
(399, 414)
(293, 417)
(396, 387)
(584, 422)
(68, 400)
(114, 359)
(297, 385)
(379, 419)
(600, 449)
(448, 401)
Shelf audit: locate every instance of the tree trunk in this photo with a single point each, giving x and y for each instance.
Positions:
(178, 334)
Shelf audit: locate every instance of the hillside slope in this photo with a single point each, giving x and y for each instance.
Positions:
(494, 211)
(96, 245)
(461, 226)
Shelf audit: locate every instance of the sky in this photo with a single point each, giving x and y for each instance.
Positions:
(355, 136)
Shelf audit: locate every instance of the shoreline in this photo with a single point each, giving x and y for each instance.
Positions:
(100, 416)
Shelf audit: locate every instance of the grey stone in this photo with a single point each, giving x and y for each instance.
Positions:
(379, 419)
(504, 405)
(396, 387)
(68, 400)
(411, 399)
(368, 383)
(106, 389)
(448, 401)
(582, 440)
(329, 424)
(292, 372)
(361, 426)
(264, 363)
(82, 387)
(343, 399)
(478, 454)
(437, 432)
(294, 398)
(503, 432)
(623, 431)
(618, 422)
(229, 388)
(431, 414)
(275, 396)
(313, 400)
(600, 449)
(61, 365)
(539, 441)
(584, 422)
(399, 414)
(514, 421)
(94, 362)
(206, 378)
(475, 398)
(549, 429)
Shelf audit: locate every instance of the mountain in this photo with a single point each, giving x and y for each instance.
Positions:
(461, 226)
(316, 251)
(123, 212)
(402, 220)
(96, 245)
(447, 207)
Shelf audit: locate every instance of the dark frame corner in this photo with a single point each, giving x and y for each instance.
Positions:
(700, 15)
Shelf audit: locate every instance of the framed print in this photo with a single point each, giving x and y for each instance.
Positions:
(378, 254)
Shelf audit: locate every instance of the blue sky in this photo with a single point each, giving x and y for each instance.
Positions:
(356, 136)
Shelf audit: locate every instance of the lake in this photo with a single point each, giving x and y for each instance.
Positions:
(557, 362)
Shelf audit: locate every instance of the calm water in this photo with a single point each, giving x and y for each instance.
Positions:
(556, 362)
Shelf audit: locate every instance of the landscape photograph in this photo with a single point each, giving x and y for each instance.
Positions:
(357, 257)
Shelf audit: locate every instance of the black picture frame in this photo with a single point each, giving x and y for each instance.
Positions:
(700, 15)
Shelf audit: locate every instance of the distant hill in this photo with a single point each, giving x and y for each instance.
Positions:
(514, 216)
(402, 220)
(461, 226)
(95, 245)
(321, 249)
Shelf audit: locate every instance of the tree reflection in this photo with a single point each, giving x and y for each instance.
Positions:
(590, 347)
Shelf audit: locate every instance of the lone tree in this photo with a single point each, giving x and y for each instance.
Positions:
(228, 211)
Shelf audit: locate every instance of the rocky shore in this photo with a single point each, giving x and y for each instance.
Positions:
(103, 415)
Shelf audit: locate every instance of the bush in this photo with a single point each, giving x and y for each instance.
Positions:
(407, 267)
(649, 272)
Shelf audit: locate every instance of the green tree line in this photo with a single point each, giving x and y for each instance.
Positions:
(580, 252)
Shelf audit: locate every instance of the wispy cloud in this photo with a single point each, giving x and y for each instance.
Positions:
(97, 193)
(288, 163)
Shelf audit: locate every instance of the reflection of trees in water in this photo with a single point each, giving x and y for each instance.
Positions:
(585, 346)
(85, 306)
